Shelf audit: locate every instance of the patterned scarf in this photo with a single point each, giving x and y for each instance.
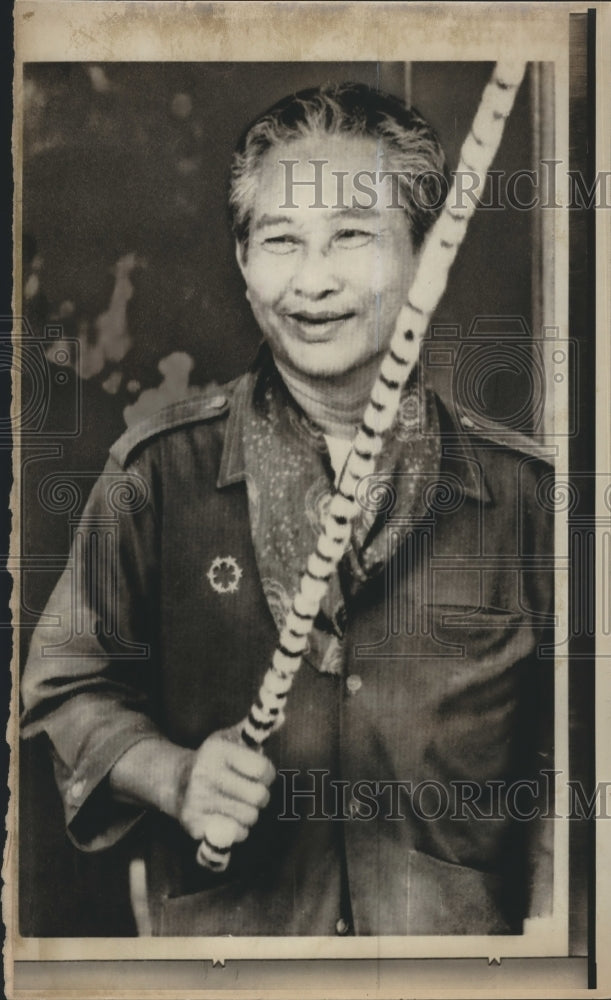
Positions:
(289, 480)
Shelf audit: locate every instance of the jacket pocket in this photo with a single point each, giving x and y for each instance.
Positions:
(483, 678)
(479, 633)
(444, 898)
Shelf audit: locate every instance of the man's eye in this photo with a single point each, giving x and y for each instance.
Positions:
(354, 238)
(280, 244)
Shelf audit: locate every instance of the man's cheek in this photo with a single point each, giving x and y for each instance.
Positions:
(366, 266)
(385, 296)
(259, 310)
(381, 271)
(392, 287)
(268, 282)
(383, 310)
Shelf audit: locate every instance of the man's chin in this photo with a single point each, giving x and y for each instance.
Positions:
(309, 358)
(325, 367)
(326, 359)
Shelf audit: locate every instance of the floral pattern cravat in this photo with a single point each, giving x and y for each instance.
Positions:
(289, 480)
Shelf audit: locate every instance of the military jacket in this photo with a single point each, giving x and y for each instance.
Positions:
(405, 780)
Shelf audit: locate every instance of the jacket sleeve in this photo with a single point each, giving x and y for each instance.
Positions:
(89, 679)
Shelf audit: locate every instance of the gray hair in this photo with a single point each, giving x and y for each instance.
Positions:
(346, 109)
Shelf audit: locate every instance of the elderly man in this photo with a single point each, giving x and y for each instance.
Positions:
(389, 801)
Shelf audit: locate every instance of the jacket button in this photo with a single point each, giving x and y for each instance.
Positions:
(354, 683)
(217, 402)
(76, 790)
(341, 927)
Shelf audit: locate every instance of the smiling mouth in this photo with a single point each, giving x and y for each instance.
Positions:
(320, 319)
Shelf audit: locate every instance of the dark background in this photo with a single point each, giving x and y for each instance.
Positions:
(133, 159)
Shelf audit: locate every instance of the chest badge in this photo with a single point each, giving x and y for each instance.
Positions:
(224, 575)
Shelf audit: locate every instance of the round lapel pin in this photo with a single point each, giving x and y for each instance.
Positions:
(224, 575)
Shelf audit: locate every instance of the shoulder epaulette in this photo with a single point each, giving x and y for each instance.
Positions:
(500, 434)
(202, 406)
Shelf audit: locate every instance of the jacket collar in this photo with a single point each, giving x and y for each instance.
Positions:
(458, 455)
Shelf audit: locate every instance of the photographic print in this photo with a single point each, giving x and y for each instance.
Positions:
(307, 517)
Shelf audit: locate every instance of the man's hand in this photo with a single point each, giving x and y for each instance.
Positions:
(224, 778)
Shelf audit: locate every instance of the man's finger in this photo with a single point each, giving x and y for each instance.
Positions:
(197, 825)
(217, 803)
(249, 763)
(241, 833)
(244, 814)
(233, 785)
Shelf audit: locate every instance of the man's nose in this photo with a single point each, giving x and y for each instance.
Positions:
(315, 276)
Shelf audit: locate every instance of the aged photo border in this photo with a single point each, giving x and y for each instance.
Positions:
(134, 34)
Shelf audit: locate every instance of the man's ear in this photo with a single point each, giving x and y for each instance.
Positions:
(240, 256)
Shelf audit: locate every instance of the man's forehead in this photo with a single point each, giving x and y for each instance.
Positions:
(321, 171)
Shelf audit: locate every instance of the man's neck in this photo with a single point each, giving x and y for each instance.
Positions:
(336, 404)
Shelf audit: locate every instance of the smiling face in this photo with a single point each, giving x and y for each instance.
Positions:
(326, 284)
